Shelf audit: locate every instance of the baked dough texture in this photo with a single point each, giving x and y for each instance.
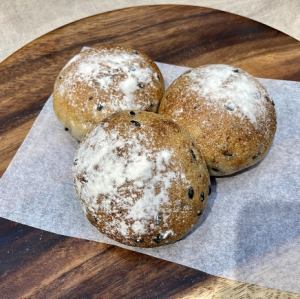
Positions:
(227, 111)
(99, 81)
(140, 179)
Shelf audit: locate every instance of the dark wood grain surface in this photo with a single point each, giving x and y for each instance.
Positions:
(38, 264)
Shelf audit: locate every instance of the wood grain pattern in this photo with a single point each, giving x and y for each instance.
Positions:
(37, 264)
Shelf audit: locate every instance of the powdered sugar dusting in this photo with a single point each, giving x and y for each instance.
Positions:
(230, 89)
(115, 73)
(178, 112)
(125, 175)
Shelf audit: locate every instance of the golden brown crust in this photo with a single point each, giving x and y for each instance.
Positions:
(98, 82)
(228, 139)
(165, 205)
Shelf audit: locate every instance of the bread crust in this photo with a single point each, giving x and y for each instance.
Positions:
(140, 179)
(100, 81)
(227, 111)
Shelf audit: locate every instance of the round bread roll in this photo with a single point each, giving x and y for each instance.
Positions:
(228, 113)
(140, 179)
(98, 82)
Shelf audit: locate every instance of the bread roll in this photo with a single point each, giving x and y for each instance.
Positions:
(140, 179)
(228, 112)
(98, 82)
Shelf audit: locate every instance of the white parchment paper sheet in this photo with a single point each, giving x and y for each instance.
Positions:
(250, 230)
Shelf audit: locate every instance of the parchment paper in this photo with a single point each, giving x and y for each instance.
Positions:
(250, 230)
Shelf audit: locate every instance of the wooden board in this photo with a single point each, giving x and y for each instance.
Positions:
(39, 264)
